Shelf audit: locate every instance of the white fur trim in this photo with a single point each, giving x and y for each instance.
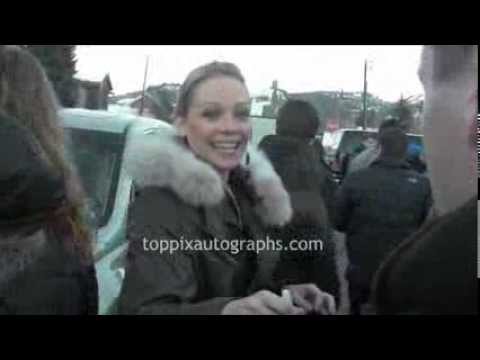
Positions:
(161, 159)
(275, 207)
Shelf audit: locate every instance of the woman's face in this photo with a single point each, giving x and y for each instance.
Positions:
(217, 124)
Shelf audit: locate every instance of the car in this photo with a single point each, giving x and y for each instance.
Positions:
(97, 143)
(261, 127)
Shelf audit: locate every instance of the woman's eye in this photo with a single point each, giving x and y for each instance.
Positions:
(243, 114)
(211, 114)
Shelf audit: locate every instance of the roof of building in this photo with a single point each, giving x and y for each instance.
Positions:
(96, 83)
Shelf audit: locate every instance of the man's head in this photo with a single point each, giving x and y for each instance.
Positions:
(388, 123)
(393, 143)
(449, 74)
(299, 119)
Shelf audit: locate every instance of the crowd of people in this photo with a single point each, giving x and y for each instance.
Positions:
(411, 236)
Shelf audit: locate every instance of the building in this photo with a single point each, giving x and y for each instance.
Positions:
(158, 103)
(336, 109)
(93, 94)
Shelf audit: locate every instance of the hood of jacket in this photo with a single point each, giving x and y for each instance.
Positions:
(281, 146)
(387, 162)
(161, 158)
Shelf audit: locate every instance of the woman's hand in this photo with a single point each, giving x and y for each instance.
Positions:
(262, 302)
(312, 300)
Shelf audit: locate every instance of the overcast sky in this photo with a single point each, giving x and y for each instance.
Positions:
(392, 68)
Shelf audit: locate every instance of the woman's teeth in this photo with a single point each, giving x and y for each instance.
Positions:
(227, 147)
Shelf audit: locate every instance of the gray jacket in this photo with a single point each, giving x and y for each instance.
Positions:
(364, 159)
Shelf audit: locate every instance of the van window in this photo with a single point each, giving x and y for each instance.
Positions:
(97, 157)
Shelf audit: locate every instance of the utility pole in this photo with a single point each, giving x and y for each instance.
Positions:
(142, 104)
(365, 97)
(274, 97)
(336, 111)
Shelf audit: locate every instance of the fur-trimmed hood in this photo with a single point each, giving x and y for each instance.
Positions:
(160, 158)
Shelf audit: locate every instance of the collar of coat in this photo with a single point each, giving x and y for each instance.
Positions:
(162, 159)
(385, 161)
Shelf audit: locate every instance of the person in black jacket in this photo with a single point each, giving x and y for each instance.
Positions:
(377, 208)
(297, 158)
(436, 270)
(46, 262)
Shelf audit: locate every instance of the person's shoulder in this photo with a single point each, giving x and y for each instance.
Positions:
(353, 182)
(451, 238)
(439, 259)
(366, 154)
(460, 223)
(152, 211)
(360, 175)
(267, 140)
(154, 198)
(161, 207)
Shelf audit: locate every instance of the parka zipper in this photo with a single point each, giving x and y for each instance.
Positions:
(235, 204)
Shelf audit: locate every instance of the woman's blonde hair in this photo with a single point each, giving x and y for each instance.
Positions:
(199, 75)
(27, 96)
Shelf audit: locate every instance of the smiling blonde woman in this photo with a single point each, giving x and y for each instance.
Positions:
(201, 183)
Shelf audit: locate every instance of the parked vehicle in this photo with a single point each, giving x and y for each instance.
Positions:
(97, 141)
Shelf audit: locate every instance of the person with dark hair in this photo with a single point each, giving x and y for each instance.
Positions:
(298, 119)
(296, 129)
(46, 260)
(378, 207)
(297, 158)
(369, 154)
(200, 185)
(435, 271)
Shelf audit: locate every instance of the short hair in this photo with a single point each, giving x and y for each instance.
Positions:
(394, 143)
(297, 118)
(199, 75)
(447, 61)
(388, 123)
(392, 122)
